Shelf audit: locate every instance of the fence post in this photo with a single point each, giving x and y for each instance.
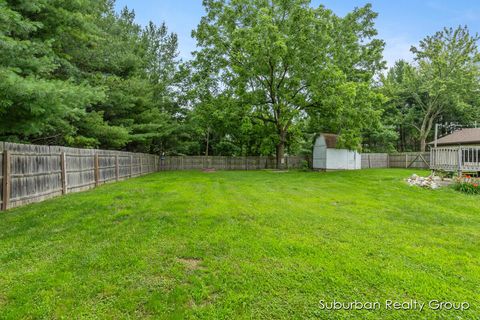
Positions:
(131, 165)
(63, 166)
(97, 171)
(117, 168)
(6, 179)
(406, 160)
(369, 161)
(141, 168)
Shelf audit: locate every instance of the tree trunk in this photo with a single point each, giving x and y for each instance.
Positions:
(423, 144)
(208, 142)
(280, 148)
(425, 130)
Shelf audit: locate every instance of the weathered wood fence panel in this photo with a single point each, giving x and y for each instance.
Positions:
(419, 160)
(228, 163)
(374, 160)
(32, 173)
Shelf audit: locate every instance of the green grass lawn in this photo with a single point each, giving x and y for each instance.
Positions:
(261, 245)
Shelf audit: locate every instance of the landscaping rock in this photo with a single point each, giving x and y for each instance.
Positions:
(430, 182)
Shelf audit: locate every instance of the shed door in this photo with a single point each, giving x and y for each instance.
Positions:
(320, 154)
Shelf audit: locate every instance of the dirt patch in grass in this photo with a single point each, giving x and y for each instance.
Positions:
(208, 301)
(3, 300)
(190, 263)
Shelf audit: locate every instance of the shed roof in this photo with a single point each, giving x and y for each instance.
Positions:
(464, 136)
(330, 139)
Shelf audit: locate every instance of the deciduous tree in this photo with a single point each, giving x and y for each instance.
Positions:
(284, 59)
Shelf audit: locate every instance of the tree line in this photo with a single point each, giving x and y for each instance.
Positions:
(266, 77)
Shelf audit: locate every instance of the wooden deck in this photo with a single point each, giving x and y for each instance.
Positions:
(460, 159)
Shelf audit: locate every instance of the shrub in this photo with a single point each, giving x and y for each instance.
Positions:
(467, 184)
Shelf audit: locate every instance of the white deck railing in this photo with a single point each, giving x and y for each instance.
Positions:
(462, 159)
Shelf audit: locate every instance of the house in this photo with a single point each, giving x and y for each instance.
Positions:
(458, 151)
(326, 156)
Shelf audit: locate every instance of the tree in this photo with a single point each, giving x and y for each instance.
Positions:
(445, 78)
(36, 104)
(77, 73)
(283, 58)
(137, 79)
(400, 111)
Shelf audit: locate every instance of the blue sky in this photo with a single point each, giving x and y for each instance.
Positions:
(401, 23)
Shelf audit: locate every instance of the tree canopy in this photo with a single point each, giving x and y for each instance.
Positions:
(77, 73)
(441, 85)
(286, 60)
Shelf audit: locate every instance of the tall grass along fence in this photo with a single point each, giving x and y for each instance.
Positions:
(419, 160)
(32, 173)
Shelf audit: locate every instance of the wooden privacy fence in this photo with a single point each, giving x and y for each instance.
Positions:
(420, 160)
(32, 173)
(374, 160)
(228, 163)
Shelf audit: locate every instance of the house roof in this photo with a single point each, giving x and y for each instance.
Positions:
(330, 139)
(464, 136)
